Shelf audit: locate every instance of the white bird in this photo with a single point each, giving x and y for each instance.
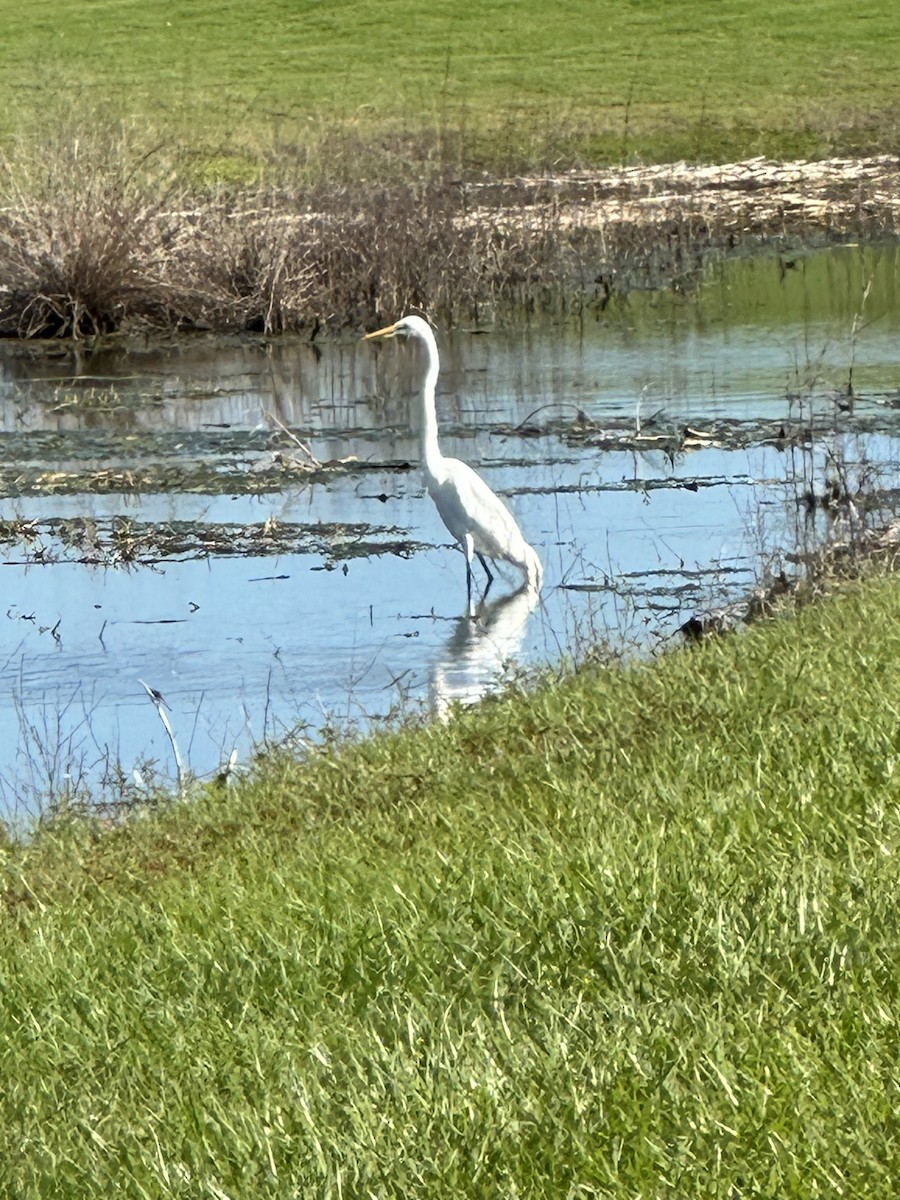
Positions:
(475, 516)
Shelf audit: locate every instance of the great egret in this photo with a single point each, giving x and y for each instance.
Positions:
(476, 517)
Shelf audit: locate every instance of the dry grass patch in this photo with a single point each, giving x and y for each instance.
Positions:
(96, 236)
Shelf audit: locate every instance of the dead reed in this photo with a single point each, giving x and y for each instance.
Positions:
(97, 236)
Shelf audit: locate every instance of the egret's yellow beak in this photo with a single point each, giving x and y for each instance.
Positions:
(388, 331)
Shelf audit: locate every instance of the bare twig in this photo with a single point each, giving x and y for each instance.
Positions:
(302, 446)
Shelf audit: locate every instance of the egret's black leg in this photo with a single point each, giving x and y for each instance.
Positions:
(487, 571)
(468, 586)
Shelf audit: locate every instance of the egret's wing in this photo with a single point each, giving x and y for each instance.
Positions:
(467, 505)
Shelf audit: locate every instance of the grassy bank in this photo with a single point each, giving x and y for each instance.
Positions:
(500, 84)
(632, 935)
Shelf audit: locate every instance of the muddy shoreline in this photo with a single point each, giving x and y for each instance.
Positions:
(313, 261)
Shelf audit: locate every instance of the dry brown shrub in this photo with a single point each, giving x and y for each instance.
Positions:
(238, 264)
(79, 234)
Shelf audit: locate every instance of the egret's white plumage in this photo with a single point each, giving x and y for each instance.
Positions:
(475, 516)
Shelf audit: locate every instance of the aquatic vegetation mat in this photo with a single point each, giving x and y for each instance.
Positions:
(126, 542)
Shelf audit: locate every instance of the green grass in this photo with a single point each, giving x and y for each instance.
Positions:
(588, 80)
(633, 935)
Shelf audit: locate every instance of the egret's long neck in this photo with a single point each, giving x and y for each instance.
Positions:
(429, 450)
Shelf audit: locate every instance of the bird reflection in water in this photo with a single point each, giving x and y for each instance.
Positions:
(480, 650)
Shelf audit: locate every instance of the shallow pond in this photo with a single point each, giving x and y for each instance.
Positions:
(244, 528)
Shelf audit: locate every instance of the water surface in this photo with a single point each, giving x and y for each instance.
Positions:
(158, 525)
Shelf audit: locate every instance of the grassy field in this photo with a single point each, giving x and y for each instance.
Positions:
(588, 81)
(634, 935)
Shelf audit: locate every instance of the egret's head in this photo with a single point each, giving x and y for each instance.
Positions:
(410, 326)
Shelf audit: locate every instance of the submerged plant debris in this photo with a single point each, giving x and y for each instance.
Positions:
(248, 476)
(123, 542)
